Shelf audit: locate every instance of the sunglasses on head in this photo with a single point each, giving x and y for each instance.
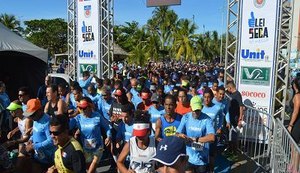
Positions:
(55, 133)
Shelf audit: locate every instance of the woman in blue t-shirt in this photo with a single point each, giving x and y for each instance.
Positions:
(89, 123)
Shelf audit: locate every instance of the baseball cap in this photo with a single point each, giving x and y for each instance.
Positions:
(140, 129)
(184, 83)
(83, 104)
(118, 92)
(14, 106)
(169, 150)
(32, 106)
(155, 97)
(196, 103)
(144, 95)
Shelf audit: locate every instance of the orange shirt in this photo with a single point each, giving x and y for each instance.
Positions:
(181, 109)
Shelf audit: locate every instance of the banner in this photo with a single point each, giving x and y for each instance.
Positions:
(155, 3)
(88, 38)
(256, 53)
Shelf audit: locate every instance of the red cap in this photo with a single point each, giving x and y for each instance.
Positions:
(144, 95)
(118, 92)
(83, 104)
(140, 129)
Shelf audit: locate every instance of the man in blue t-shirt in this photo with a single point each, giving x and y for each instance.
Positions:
(197, 129)
(40, 142)
(167, 125)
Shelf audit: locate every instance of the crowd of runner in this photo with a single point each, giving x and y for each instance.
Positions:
(165, 117)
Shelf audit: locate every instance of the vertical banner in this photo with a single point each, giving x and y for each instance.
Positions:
(88, 37)
(256, 55)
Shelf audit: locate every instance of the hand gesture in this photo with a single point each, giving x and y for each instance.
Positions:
(251, 21)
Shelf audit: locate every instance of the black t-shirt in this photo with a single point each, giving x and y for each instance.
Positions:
(73, 159)
(234, 107)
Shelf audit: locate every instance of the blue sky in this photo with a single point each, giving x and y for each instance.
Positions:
(207, 14)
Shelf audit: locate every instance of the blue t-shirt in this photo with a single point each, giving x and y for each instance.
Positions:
(85, 83)
(136, 99)
(196, 128)
(154, 115)
(125, 131)
(215, 113)
(221, 83)
(90, 130)
(104, 107)
(73, 103)
(224, 106)
(95, 98)
(42, 142)
(169, 128)
(167, 89)
(4, 99)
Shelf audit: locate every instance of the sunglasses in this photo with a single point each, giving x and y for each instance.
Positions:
(55, 133)
(21, 95)
(104, 95)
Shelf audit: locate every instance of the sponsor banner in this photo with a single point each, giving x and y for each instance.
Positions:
(154, 3)
(88, 37)
(255, 76)
(257, 51)
(88, 67)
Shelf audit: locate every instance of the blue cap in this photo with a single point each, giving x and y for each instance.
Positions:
(169, 150)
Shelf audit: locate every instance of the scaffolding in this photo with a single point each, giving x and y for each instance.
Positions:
(282, 82)
(282, 57)
(106, 38)
(231, 40)
(71, 68)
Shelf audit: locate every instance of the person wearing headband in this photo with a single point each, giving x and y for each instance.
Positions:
(89, 124)
(146, 97)
(141, 148)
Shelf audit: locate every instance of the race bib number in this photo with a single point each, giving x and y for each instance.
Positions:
(90, 143)
(197, 146)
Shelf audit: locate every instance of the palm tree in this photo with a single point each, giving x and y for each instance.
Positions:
(202, 46)
(183, 40)
(12, 23)
(163, 22)
(138, 54)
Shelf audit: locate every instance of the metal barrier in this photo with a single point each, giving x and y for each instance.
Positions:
(286, 153)
(255, 137)
(265, 140)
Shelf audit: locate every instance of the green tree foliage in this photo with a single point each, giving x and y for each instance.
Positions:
(11, 22)
(50, 34)
(166, 36)
(184, 40)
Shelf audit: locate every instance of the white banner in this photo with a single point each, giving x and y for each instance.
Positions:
(88, 38)
(256, 54)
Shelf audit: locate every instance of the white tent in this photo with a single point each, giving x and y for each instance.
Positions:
(10, 41)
